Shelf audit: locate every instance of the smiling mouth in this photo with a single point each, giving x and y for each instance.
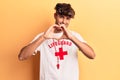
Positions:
(58, 29)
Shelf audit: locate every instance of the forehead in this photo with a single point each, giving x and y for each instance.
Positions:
(65, 16)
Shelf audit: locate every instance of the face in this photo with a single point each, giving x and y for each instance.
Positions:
(61, 19)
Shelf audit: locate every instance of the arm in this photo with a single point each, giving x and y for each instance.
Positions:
(28, 50)
(83, 47)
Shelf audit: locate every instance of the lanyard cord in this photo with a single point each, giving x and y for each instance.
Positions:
(58, 59)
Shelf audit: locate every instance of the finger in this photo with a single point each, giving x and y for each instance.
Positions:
(51, 28)
(62, 25)
(64, 28)
(58, 27)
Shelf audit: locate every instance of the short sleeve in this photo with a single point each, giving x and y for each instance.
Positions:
(36, 37)
(38, 48)
(78, 36)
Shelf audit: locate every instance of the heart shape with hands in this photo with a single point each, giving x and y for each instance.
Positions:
(55, 32)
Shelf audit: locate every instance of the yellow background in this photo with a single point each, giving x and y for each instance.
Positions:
(98, 21)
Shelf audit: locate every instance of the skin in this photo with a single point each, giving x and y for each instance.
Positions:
(61, 24)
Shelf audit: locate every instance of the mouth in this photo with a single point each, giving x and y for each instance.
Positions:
(58, 29)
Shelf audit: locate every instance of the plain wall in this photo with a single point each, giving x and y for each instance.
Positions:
(98, 21)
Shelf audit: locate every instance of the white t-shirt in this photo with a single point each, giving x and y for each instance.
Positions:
(62, 53)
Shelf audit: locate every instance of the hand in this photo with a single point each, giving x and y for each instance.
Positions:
(66, 31)
(50, 33)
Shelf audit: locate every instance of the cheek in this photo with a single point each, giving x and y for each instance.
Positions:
(67, 22)
(60, 20)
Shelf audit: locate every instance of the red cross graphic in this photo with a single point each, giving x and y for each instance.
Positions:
(61, 53)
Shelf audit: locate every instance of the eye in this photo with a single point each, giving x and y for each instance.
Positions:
(68, 18)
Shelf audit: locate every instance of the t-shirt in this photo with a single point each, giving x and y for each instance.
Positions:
(59, 59)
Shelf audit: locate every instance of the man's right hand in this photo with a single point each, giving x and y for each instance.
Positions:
(49, 34)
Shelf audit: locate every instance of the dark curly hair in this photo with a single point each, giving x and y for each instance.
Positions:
(65, 9)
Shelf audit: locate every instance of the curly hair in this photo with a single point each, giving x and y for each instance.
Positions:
(65, 9)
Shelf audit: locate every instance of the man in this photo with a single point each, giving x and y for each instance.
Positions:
(58, 47)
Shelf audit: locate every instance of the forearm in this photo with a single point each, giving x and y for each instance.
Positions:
(83, 47)
(28, 50)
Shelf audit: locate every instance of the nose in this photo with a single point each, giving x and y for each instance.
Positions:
(63, 21)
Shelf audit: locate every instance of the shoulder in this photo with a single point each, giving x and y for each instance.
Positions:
(78, 36)
(37, 36)
(75, 33)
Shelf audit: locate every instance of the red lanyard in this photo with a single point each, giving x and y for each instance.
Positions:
(58, 58)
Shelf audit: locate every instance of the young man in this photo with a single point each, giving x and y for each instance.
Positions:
(58, 48)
